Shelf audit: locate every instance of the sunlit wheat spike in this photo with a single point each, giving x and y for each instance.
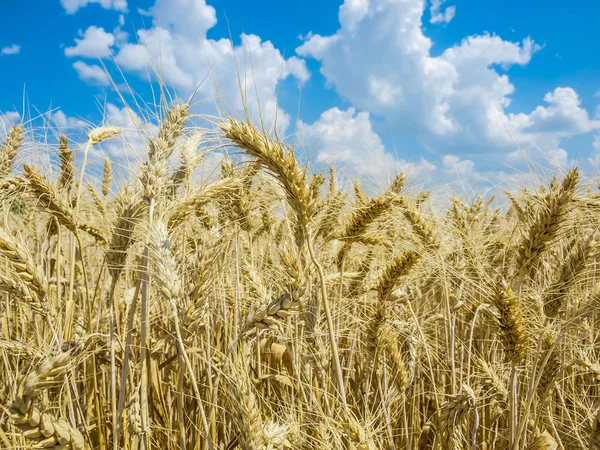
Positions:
(546, 224)
(422, 228)
(278, 159)
(67, 168)
(106, 177)
(24, 267)
(99, 134)
(399, 268)
(366, 215)
(10, 148)
(47, 195)
(129, 210)
(44, 429)
(272, 314)
(512, 328)
(398, 183)
(171, 128)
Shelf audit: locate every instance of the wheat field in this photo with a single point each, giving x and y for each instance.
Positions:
(274, 308)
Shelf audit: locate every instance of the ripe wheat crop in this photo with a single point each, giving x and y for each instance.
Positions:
(273, 308)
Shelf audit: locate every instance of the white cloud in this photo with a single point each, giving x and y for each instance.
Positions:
(439, 16)
(7, 120)
(190, 18)
(558, 157)
(380, 60)
(72, 6)
(66, 123)
(347, 138)
(11, 50)
(562, 118)
(120, 35)
(454, 104)
(177, 48)
(132, 144)
(595, 157)
(91, 74)
(352, 12)
(454, 165)
(94, 43)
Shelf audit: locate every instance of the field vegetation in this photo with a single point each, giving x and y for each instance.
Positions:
(272, 307)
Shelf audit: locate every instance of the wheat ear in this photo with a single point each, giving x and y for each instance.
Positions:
(67, 167)
(170, 285)
(45, 430)
(272, 155)
(106, 177)
(546, 224)
(48, 197)
(9, 149)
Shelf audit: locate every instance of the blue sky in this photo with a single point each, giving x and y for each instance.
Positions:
(437, 87)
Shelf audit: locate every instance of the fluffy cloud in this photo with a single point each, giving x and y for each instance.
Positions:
(131, 147)
(347, 138)
(7, 120)
(72, 6)
(65, 123)
(455, 103)
(11, 50)
(454, 165)
(91, 74)
(176, 50)
(352, 12)
(94, 43)
(184, 57)
(439, 16)
(380, 60)
(562, 117)
(189, 18)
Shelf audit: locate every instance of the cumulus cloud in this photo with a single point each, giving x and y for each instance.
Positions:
(347, 138)
(94, 43)
(454, 165)
(176, 49)
(189, 18)
(92, 74)
(439, 16)
(7, 120)
(455, 103)
(562, 117)
(352, 12)
(380, 60)
(72, 6)
(184, 56)
(65, 123)
(11, 50)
